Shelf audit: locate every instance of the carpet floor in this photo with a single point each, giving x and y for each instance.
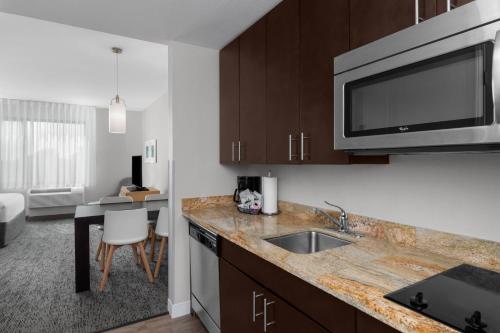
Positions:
(37, 285)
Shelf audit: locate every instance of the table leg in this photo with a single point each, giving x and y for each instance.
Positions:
(82, 264)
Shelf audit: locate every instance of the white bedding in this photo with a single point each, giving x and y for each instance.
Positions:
(11, 204)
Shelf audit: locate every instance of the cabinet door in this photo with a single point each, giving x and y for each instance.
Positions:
(367, 324)
(238, 305)
(458, 3)
(236, 301)
(253, 94)
(442, 5)
(324, 34)
(427, 9)
(374, 19)
(283, 82)
(280, 317)
(229, 102)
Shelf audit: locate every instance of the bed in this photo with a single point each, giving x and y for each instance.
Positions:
(12, 216)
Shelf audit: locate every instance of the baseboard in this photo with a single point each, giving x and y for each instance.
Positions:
(179, 309)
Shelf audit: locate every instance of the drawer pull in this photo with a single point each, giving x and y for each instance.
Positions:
(266, 324)
(254, 298)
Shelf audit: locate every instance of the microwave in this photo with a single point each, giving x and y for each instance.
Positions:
(431, 87)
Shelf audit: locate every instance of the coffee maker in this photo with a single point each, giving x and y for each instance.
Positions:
(251, 183)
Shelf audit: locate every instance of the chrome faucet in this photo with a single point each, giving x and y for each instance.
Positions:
(340, 222)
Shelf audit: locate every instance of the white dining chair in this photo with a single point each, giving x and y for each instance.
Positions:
(106, 201)
(152, 234)
(162, 232)
(125, 227)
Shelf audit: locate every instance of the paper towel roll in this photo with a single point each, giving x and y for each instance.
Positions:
(270, 195)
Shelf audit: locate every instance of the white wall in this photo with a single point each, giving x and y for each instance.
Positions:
(194, 107)
(456, 193)
(113, 153)
(155, 124)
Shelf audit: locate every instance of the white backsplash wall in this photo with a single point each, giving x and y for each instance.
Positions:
(456, 193)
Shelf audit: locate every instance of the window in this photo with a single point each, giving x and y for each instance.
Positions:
(46, 145)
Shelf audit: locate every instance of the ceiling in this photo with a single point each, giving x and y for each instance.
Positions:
(46, 61)
(59, 50)
(208, 23)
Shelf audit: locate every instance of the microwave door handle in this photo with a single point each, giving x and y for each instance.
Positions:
(496, 77)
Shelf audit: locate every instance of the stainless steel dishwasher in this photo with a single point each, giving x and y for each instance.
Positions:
(204, 265)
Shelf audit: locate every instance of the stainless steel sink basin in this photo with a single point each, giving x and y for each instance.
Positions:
(307, 242)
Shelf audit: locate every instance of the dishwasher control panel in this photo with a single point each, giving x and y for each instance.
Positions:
(204, 236)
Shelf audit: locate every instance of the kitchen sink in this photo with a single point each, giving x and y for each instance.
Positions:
(307, 242)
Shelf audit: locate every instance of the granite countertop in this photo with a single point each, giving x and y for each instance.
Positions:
(359, 274)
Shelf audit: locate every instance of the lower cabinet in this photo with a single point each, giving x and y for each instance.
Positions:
(236, 295)
(246, 306)
(249, 301)
(367, 324)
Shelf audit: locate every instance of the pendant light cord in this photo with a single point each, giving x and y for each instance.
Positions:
(116, 68)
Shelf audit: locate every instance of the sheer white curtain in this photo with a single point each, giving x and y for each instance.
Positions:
(45, 144)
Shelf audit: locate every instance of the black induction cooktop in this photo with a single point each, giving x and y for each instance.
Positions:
(466, 298)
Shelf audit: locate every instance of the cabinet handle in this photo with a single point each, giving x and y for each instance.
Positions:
(418, 17)
(239, 151)
(302, 138)
(417, 12)
(290, 155)
(266, 324)
(254, 298)
(232, 151)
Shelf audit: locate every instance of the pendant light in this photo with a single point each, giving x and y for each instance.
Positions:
(117, 109)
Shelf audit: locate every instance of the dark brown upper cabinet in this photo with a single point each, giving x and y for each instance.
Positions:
(373, 19)
(253, 94)
(457, 3)
(426, 9)
(229, 122)
(276, 82)
(283, 117)
(276, 79)
(324, 34)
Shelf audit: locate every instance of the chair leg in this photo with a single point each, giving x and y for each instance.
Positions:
(99, 248)
(109, 259)
(145, 262)
(160, 256)
(153, 243)
(104, 251)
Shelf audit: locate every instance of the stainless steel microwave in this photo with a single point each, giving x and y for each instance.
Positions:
(431, 87)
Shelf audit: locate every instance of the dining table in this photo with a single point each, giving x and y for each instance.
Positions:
(93, 214)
